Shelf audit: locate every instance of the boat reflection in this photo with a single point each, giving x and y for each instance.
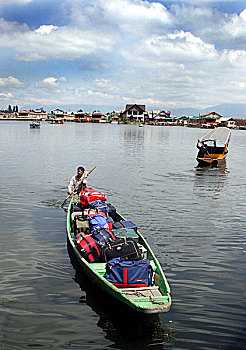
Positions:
(210, 181)
(123, 327)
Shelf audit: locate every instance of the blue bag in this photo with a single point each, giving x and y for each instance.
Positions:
(129, 224)
(117, 225)
(131, 273)
(100, 205)
(98, 220)
(111, 211)
(75, 206)
(102, 235)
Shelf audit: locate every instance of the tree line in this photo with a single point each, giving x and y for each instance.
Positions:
(14, 109)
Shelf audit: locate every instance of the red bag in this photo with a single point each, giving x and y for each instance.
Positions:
(89, 195)
(88, 247)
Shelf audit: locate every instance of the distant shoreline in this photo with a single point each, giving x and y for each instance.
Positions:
(198, 126)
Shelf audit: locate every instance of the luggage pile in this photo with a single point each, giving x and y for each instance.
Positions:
(99, 237)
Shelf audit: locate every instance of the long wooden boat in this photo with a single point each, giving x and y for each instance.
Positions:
(216, 143)
(147, 300)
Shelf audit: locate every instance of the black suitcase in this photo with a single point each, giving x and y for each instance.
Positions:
(111, 211)
(125, 248)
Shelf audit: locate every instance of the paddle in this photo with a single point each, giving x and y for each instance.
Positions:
(79, 183)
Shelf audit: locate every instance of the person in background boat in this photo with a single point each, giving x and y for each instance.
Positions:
(80, 176)
(202, 149)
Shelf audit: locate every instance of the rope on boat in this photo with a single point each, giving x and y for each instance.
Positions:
(136, 293)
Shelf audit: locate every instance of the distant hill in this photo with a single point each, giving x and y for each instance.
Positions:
(234, 110)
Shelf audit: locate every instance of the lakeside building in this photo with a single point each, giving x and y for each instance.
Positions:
(190, 121)
(81, 117)
(162, 117)
(210, 120)
(29, 114)
(228, 122)
(97, 116)
(134, 112)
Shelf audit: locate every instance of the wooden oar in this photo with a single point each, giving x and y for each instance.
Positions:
(79, 183)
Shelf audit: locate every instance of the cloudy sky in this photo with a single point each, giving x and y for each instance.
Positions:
(107, 53)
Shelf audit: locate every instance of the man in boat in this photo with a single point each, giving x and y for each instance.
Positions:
(80, 177)
(202, 149)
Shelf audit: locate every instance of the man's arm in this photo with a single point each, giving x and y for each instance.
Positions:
(71, 185)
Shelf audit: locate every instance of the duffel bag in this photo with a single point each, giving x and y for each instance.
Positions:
(98, 220)
(75, 207)
(125, 274)
(103, 235)
(99, 205)
(89, 248)
(88, 195)
(111, 211)
(125, 248)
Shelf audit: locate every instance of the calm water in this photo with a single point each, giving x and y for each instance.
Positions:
(193, 218)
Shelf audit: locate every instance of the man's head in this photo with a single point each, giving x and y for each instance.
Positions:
(80, 171)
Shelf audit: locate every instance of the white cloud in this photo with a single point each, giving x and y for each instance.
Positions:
(10, 82)
(51, 42)
(11, 28)
(136, 18)
(46, 29)
(96, 93)
(225, 30)
(104, 84)
(17, 2)
(51, 82)
(101, 83)
(5, 95)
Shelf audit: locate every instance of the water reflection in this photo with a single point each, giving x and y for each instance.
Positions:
(125, 328)
(210, 182)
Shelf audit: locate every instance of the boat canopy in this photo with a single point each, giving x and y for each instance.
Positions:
(219, 134)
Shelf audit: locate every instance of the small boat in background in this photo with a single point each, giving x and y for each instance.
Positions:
(35, 125)
(214, 147)
(56, 121)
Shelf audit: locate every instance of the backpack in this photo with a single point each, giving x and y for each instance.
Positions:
(88, 195)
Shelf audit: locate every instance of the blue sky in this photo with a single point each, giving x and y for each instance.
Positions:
(103, 55)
